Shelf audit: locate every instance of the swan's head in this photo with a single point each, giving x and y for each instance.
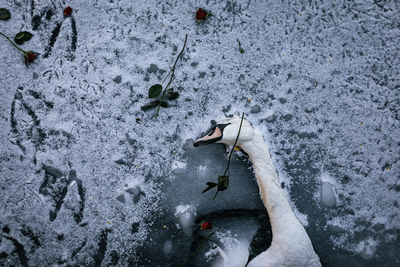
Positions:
(226, 131)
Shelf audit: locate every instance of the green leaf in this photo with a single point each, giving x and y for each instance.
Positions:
(155, 90)
(4, 14)
(22, 37)
(210, 186)
(223, 182)
(172, 95)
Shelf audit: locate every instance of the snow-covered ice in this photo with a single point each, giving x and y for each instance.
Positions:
(88, 178)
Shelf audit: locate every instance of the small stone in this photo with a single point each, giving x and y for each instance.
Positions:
(287, 117)
(271, 118)
(121, 198)
(6, 229)
(282, 100)
(134, 227)
(118, 79)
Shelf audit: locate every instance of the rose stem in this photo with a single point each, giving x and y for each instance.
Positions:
(197, 249)
(8, 38)
(237, 138)
(230, 155)
(172, 76)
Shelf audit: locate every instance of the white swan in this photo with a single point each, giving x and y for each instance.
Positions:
(290, 245)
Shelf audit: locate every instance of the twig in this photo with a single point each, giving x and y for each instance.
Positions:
(172, 76)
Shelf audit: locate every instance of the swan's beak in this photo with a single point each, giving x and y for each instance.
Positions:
(213, 136)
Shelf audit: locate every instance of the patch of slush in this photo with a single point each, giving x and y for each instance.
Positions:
(235, 252)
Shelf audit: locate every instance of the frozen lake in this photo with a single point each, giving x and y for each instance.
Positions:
(89, 178)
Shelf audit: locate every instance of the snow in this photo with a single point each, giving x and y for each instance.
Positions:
(186, 216)
(236, 253)
(367, 248)
(83, 182)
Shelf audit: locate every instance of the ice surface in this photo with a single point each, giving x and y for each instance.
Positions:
(83, 182)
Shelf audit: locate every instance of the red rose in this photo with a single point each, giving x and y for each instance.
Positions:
(67, 11)
(29, 56)
(201, 14)
(206, 226)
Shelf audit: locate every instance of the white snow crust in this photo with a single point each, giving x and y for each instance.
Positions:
(88, 178)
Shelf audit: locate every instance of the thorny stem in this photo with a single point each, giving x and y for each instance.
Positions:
(172, 76)
(8, 38)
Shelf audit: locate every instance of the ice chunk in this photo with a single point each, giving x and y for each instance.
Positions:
(178, 165)
(327, 195)
(367, 248)
(186, 215)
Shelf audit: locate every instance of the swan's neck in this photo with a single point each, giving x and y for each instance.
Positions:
(280, 213)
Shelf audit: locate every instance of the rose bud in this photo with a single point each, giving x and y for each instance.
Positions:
(206, 226)
(201, 14)
(29, 56)
(67, 11)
